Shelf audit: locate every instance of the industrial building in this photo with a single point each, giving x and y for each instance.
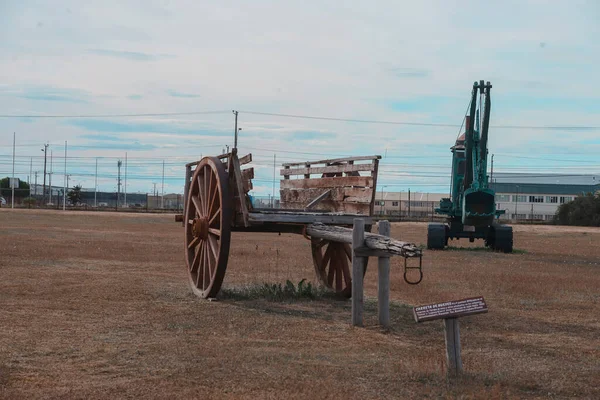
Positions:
(538, 196)
(522, 196)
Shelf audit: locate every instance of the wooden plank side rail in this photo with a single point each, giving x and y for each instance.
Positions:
(332, 169)
(346, 181)
(374, 244)
(351, 182)
(333, 160)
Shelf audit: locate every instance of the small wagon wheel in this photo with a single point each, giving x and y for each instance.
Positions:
(208, 227)
(333, 265)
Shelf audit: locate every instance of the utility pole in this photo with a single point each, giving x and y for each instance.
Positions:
(13, 173)
(125, 179)
(531, 216)
(35, 183)
(162, 197)
(50, 178)
(273, 195)
(29, 177)
(235, 140)
(408, 202)
(65, 181)
(45, 150)
(516, 201)
(119, 163)
(400, 207)
(96, 185)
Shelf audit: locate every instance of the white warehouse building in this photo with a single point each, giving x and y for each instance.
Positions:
(522, 196)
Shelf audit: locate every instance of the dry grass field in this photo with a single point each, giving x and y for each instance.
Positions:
(97, 305)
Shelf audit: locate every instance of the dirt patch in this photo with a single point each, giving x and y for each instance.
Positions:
(97, 305)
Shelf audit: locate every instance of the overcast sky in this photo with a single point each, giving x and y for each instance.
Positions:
(403, 61)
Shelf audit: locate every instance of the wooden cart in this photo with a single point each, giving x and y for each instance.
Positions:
(333, 192)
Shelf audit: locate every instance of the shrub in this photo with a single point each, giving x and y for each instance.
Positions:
(583, 211)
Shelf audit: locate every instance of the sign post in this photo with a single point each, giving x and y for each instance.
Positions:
(450, 312)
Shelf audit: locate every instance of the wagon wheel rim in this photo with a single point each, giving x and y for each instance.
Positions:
(333, 265)
(208, 227)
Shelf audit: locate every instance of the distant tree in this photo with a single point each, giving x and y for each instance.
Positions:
(6, 191)
(29, 201)
(74, 195)
(583, 211)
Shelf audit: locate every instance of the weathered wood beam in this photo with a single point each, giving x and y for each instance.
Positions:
(327, 170)
(361, 158)
(246, 159)
(318, 199)
(248, 173)
(327, 205)
(350, 181)
(239, 182)
(374, 244)
(299, 217)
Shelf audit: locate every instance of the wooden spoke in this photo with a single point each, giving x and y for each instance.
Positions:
(201, 195)
(200, 271)
(214, 217)
(347, 251)
(327, 256)
(194, 242)
(208, 231)
(210, 195)
(346, 271)
(338, 271)
(196, 204)
(214, 246)
(206, 192)
(196, 261)
(207, 267)
(332, 265)
(321, 243)
(332, 268)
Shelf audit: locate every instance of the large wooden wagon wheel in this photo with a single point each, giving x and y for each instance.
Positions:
(208, 227)
(333, 265)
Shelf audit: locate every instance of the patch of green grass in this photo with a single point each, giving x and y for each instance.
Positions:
(483, 249)
(519, 251)
(454, 248)
(277, 292)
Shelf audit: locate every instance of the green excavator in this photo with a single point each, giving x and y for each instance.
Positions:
(471, 208)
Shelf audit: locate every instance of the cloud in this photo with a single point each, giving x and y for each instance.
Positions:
(419, 104)
(174, 93)
(129, 55)
(105, 125)
(134, 97)
(115, 146)
(400, 72)
(310, 135)
(46, 93)
(110, 138)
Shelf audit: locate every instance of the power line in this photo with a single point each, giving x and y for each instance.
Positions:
(368, 121)
(364, 121)
(312, 117)
(115, 115)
